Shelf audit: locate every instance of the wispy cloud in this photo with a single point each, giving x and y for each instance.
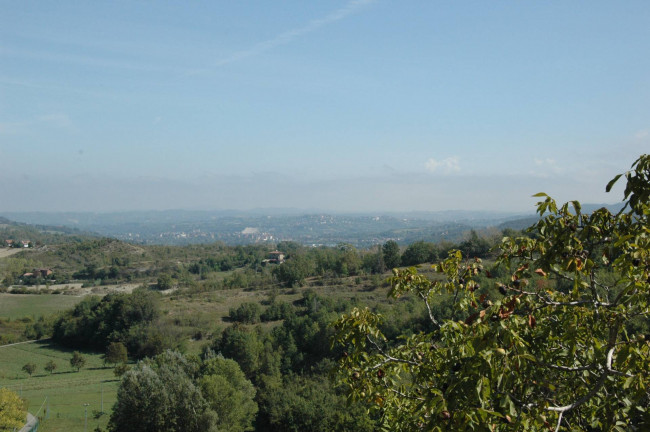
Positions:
(645, 133)
(545, 167)
(289, 36)
(446, 166)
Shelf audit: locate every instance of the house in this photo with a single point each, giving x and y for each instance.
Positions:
(43, 272)
(275, 257)
(39, 272)
(9, 243)
(25, 243)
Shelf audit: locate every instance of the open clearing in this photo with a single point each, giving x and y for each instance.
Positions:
(66, 390)
(13, 306)
(5, 252)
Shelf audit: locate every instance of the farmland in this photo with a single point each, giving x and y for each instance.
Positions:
(63, 392)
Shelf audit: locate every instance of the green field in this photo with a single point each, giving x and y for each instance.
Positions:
(14, 306)
(66, 390)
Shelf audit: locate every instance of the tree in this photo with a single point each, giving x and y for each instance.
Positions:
(165, 282)
(115, 353)
(293, 271)
(120, 370)
(391, 253)
(309, 403)
(50, 366)
(247, 312)
(230, 395)
(475, 246)
(158, 395)
(418, 253)
(95, 322)
(77, 361)
(29, 368)
(560, 348)
(242, 344)
(13, 410)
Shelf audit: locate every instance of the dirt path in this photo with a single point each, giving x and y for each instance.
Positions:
(31, 422)
(23, 342)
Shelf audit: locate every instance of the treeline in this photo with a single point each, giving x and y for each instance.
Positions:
(103, 261)
(345, 260)
(131, 319)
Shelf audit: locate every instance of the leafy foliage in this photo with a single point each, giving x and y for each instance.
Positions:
(247, 312)
(172, 393)
(229, 394)
(116, 353)
(29, 368)
(127, 318)
(419, 252)
(13, 410)
(77, 360)
(391, 254)
(50, 366)
(555, 350)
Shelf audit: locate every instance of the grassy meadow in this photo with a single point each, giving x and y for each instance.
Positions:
(66, 389)
(14, 306)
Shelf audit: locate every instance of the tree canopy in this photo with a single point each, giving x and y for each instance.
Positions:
(173, 393)
(562, 346)
(13, 410)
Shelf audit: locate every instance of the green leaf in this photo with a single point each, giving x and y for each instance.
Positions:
(611, 183)
(576, 206)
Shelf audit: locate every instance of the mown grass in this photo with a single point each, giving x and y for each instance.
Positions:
(66, 389)
(13, 306)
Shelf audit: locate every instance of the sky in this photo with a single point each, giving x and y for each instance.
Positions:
(342, 106)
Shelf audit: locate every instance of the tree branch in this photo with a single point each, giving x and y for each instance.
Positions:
(426, 302)
(388, 357)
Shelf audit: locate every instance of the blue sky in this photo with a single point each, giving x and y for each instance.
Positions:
(333, 105)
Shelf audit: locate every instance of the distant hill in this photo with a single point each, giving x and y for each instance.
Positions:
(41, 234)
(525, 222)
(178, 227)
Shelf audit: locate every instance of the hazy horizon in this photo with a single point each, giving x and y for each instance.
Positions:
(342, 106)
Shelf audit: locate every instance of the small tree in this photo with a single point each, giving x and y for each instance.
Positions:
(120, 370)
(165, 282)
(12, 410)
(30, 368)
(115, 353)
(50, 366)
(392, 256)
(77, 361)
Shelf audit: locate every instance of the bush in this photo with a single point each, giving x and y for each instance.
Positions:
(278, 311)
(247, 313)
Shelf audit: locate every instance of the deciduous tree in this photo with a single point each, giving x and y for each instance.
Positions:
(561, 347)
(115, 353)
(50, 366)
(77, 361)
(229, 394)
(13, 410)
(159, 396)
(391, 253)
(29, 368)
